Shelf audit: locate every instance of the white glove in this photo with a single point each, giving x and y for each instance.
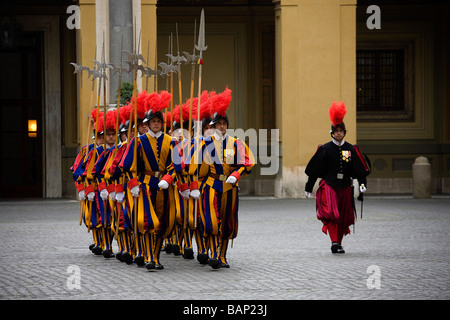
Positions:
(112, 196)
(362, 188)
(185, 194)
(81, 195)
(91, 196)
(231, 179)
(195, 194)
(135, 191)
(163, 184)
(308, 194)
(104, 194)
(120, 197)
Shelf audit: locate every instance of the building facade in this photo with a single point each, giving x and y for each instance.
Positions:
(285, 62)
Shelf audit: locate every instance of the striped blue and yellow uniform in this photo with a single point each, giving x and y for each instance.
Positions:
(78, 168)
(153, 161)
(221, 159)
(92, 217)
(116, 182)
(216, 160)
(106, 207)
(148, 163)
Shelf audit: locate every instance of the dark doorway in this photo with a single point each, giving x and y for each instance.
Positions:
(20, 116)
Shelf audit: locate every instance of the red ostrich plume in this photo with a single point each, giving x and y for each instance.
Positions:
(94, 114)
(124, 114)
(337, 112)
(98, 126)
(157, 102)
(220, 102)
(164, 100)
(186, 107)
(194, 106)
(167, 116)
(204, 106)
(130, 111)
(176, 112)
(111, 116)
(150, 100)
(140, 105)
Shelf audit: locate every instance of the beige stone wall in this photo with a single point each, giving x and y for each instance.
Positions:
(317, 66)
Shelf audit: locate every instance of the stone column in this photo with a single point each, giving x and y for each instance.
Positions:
(120, 28)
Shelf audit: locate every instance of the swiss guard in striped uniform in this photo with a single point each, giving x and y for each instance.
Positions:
(105, 186)
(78, 168)
(171, 238)
(226, 160)
(122, 196)
(148, 159)
(195, 200)
(337, 163)
(92, 214)
(181, 234)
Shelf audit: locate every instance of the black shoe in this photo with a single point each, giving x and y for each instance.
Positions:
(108, 253)
(91, 247)
(337, 248)
(188, 253)
(168, 248)
(153, 266)
(202, 258)
(214, 263)
(139, 261)
(119, 256)
(97, 250)
(224, 264)
(334, 247)
(176, 250)
(127, 258)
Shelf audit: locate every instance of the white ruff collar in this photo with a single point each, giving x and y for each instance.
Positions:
(337, 143)
(218, 136)
(155, 135)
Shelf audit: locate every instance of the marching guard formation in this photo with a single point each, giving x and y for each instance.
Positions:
(148, 182)
(162, 190)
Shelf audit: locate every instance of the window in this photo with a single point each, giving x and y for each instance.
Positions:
(380, 80)
(384, 77)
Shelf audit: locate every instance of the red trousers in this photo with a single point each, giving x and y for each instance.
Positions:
(335, 209)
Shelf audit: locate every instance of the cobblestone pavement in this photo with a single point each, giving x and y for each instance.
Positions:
(399, 250)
